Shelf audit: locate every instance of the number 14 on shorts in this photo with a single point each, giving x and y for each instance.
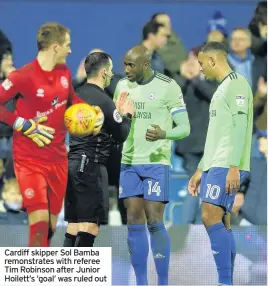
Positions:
(154, 188)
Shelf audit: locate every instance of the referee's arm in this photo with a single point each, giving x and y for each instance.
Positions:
(118, 126)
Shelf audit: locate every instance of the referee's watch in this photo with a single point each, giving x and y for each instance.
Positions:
(128, 116)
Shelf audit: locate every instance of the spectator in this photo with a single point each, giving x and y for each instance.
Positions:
(217, 31)
(241, 58)
(197, 95)
(12, 203)
(154, 38)
(260, 107)
(173, 52)
(2, 170)
(6, 67)
(252, 205)
(5, 42)
(258, 28)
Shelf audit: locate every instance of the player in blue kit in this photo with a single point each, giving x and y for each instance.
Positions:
(226, 160)
(146, 156)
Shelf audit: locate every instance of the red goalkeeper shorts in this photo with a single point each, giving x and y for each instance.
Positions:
(42, 187)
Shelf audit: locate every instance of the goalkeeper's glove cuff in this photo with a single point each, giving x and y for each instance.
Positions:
(22, 124)
(19, 123)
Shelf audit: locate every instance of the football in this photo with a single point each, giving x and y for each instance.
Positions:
(83, 119)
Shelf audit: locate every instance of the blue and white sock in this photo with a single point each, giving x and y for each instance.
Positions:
(233, 251)
(221, 249)
(138, 250)
(160, 244)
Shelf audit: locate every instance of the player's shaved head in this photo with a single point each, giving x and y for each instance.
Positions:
(139, 53)
(137, 63)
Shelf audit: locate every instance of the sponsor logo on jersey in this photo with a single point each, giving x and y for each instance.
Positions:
(40, 92)
(240, 99)
(64, 82)
(7, 84)
(151, 96)
(54, 101)
(117, 116)
(51, 110)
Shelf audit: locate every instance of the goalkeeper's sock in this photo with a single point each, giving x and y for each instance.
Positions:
(138, 250)
(69, 240)
(160, 244)
(38, 234)
(50, 235)
(84, 239)
(221, 249)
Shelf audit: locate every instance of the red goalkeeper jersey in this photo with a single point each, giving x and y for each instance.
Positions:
(38, 93)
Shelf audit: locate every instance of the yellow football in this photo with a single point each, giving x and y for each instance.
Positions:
(83, 119)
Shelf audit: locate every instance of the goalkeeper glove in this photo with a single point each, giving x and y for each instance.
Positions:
(99, 120)
(40, 134)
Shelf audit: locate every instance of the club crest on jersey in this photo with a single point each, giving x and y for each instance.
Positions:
(64, 82)
(7, 84)
(40, 92)
(29, 193)
(151, 96)
(240, 99)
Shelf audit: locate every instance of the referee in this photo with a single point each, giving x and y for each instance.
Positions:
(87, 199)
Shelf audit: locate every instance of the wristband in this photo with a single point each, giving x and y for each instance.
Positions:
(128, 116)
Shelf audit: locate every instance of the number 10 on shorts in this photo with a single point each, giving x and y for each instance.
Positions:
(213, 191)
(154, 188)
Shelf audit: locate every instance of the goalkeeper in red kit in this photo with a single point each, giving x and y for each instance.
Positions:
(43, 90)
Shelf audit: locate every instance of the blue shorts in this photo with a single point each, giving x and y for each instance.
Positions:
(148, 181)
(212, 188)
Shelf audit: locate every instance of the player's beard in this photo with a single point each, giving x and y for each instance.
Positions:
(106, 82)
(139, 77)
(208, 77)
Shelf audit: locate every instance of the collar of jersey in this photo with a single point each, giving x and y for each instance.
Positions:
(36, 63)
(226, 77)
(95, 86)
(147, 81)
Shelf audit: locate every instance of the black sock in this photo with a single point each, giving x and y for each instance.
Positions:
(69, 240)
(50, 235)
(84, 239)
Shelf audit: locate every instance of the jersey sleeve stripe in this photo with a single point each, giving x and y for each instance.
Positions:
(176, 110)
(233, 75)
(162, 77)
(168, 81)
